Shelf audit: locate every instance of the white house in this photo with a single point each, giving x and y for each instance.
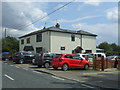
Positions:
(57, 40)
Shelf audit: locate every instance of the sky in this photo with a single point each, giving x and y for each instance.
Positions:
(100, 18)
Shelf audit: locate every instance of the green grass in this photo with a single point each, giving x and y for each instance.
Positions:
(118, 69)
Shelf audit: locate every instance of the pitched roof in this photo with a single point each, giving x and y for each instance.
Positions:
(56, 29)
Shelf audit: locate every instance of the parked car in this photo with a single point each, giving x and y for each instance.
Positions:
(113, 57)
(67, 61)
(5, 57)
(11, 57)
(44, 59)
(84, 55)
(23, 57)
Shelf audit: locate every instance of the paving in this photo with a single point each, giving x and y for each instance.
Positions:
(106, 79)
(109, 78)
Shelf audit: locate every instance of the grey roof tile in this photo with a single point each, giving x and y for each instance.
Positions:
(55, 29)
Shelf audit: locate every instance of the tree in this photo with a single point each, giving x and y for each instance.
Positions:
(105, 46)
(115, 47)
(10, 44)
(109, 48)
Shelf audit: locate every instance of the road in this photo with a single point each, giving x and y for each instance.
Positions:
(18, 77)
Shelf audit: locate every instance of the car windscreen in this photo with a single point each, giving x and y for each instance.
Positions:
(27, 54)
(110, 57)
(48, 55)
(118, 58)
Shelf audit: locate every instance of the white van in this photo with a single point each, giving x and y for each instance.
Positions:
(99, 55)
(84, 55)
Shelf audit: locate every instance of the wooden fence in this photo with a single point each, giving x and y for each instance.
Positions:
(102, 63)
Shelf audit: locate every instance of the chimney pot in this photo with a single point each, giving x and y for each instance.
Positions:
(57, 25)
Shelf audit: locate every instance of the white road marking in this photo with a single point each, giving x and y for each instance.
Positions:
(25, 68)
(17, 67)
(87, 86)
(37, 72)
(9, 77)
(11, 65)
(58, 78)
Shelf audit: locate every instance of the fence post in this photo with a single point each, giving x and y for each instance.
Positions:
(94, 62)
(102, 59)
(106, 63)
(86, 58)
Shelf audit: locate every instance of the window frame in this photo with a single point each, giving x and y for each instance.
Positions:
(39, 37)
(22, 41)
(28, 40)
(69, 56)
(79, 58)
(73, 37)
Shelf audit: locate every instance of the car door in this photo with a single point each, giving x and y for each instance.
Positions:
(47, 58)
(79, 62)
(69, 59)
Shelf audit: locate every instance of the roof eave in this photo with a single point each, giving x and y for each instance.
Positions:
(47, 29)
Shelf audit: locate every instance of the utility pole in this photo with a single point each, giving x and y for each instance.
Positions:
(5, 38)
(5, 32)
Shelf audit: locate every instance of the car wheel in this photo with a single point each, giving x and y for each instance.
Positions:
(47, 65)
(33, 61)
(16, 62)
(55, 68)
(64, 67)
(21, 61)
(86, 67)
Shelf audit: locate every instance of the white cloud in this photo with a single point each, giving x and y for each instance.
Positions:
(78, 26)
(80, 7)
(16, 16)
(75, 20)
(93, 2)
(112, 14)
(15, 32)
(59, 6)
(105, 32)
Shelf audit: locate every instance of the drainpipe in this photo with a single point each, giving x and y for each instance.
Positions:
(49, 41)
(81, 40)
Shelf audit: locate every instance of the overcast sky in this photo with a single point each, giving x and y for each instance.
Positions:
(99, 18)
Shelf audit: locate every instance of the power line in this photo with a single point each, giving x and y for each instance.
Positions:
(47, 14)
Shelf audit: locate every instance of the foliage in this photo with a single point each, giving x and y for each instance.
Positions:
(10, 44)
(109, 48)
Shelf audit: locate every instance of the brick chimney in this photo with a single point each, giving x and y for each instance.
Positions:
(57, 25)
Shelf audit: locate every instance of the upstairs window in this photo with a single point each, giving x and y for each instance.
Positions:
(39, 38)
(72, 37)
(22, 41)
(28, 40)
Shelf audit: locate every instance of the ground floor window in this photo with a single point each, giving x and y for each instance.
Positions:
(39, 49)
(28, 48)
(88, 51)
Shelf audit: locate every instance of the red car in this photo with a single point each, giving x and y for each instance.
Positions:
(67, 61)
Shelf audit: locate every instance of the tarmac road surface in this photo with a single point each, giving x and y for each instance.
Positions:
(18, 77)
